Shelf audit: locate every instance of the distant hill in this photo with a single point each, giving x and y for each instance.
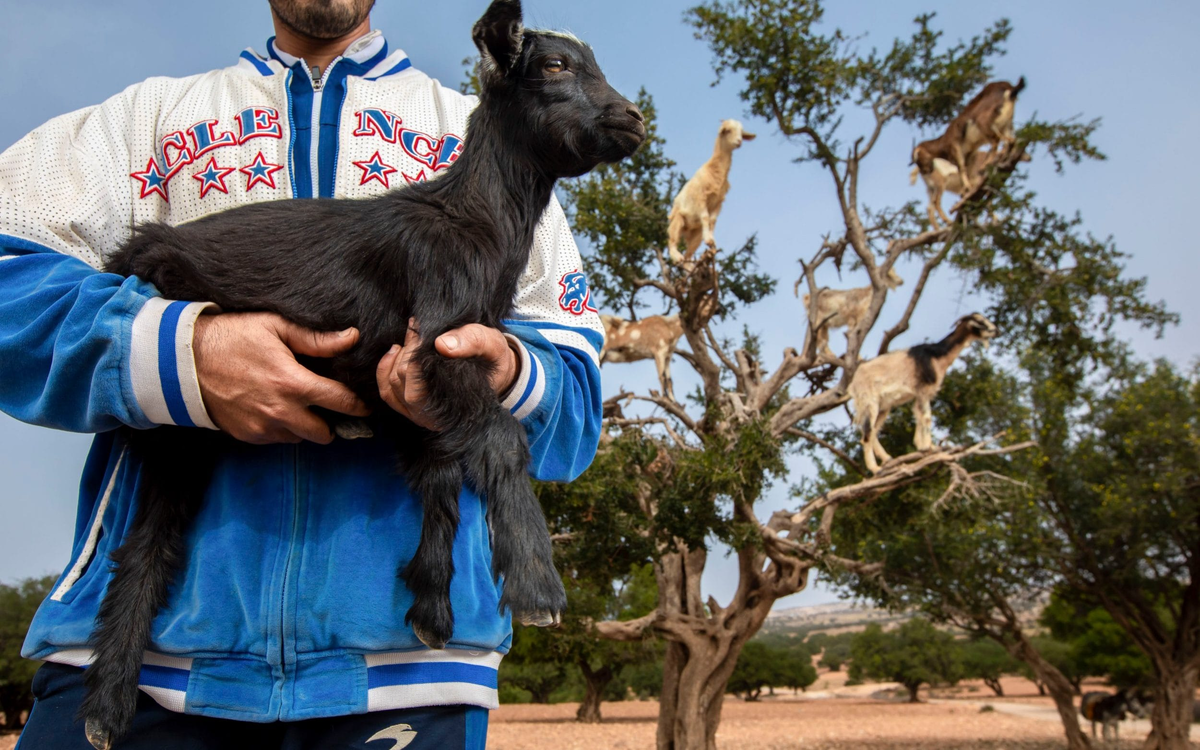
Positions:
(839, 617)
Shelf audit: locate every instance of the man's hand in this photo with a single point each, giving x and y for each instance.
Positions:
(253, 387)
(399, 378)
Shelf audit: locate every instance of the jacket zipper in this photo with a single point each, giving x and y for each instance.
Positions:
(318, 84)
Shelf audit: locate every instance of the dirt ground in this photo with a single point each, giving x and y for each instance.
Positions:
(830, 716)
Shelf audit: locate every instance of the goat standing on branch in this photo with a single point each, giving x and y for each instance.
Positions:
(945, 178)
(439, 255)
(988, 118)
(916, 375)
(694, 212)
(842, 308)
(654, 338)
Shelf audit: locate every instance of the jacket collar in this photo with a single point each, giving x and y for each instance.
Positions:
(367, 57)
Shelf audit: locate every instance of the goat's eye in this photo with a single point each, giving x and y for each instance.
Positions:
(554, 65)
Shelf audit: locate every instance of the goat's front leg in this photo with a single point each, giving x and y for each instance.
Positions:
(675, 236)
(436, 475)
(708, 223)
(923, 417)
(883, 455)
(662, 362)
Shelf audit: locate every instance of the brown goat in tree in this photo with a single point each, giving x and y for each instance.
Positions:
(988, 118)
(694, 212)
(945, 178)
(654, 338)
(843, 308)
(915, 375)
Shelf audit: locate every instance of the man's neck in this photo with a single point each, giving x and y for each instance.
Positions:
(315, 52)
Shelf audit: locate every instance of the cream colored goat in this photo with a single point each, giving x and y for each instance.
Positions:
(694, 212)
(945, 178)
(915, 375)
(843, 308)
(654, 338)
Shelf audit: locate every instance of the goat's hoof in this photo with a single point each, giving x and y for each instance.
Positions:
(542, 618)
(98, 737)
(429, 638)
(353, 429)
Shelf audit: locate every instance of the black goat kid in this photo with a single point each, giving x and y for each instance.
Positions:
(445, 253)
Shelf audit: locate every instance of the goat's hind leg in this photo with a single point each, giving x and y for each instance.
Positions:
(497, 460)
(176, 465)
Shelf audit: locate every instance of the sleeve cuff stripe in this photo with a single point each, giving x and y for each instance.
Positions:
(168, 365)
(162, 364)
(520, 388)
(573, 340)
(537, 387)
(592, 335)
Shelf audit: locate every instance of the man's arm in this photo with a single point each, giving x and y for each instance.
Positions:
(89, 351)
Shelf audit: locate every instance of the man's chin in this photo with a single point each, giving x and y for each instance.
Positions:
(322, 19)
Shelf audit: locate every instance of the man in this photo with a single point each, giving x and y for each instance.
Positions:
(285, 628)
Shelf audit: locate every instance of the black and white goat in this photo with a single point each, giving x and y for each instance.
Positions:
(444, 253)
(915, 375)
(1111, 710)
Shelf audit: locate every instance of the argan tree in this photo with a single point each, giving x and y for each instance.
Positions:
(721, 445)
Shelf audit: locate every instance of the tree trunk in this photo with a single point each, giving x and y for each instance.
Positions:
(995, 685)
(595, 680)
(1041, 688)
(1171, 717)
(913, 690)
(1056, 684)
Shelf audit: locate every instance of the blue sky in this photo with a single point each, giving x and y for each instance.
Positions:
(1134, 65)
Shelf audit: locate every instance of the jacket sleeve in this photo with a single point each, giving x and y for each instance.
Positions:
(557, 394)
(81, 349)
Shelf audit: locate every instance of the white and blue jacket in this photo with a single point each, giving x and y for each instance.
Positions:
(289, 607)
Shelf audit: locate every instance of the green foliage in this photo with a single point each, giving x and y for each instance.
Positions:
(1097, 645)
(800, 75)
(18, 603)
(914, 654)
(760, 665)
(834, 656)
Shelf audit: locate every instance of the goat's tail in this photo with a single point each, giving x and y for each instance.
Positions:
(912, 176)
(1016, 90)
(176, 465)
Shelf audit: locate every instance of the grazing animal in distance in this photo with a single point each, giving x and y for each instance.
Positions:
(1110, 711)
(843, 308)
(988, 118)
(442, 253)
(915, 375)
(654, 338)
(694, 213)
(945, 178)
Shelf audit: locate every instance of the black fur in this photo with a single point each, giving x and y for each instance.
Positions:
(446, 253)
(924, 354)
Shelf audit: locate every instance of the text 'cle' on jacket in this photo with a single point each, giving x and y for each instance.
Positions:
(289, 607)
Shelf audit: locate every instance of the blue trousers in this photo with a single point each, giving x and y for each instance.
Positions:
(58, 690)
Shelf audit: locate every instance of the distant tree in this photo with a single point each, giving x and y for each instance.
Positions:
(913, 655)
(984, 659)
(18, 603)
(760, 666)
(834, 656)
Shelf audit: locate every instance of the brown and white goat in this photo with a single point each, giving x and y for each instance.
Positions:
(945, 178)
(843, 308)
(915, 375)
(694, 212)
(654, 338)
(988, 118)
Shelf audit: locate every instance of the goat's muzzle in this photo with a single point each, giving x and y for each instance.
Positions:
(628, 127)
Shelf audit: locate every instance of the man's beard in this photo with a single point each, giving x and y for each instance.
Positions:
(322, 19)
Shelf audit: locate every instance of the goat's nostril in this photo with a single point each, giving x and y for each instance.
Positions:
(635, 113)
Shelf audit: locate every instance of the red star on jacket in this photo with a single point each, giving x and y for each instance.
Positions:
(260, 172)
(375, 169)
(152, 179)
(212, 177)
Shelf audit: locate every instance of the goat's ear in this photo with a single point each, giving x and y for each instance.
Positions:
(498, 36)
